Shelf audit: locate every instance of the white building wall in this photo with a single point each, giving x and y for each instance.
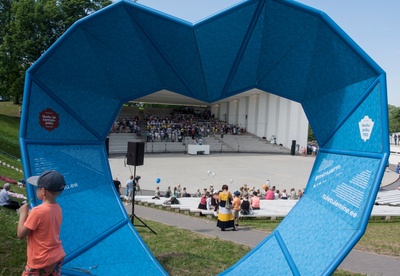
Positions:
(252, 115)
(262, 114)
(223, 111)
(233, 112)
(302, 127)
(282, 122)
(293, 122)
(242, 110)
(268, 115)
(272, 115)
(215, 110)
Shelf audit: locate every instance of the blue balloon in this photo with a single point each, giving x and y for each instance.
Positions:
(158, 180)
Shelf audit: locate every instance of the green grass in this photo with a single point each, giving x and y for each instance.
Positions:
(9, 128)
(381, 237)
(12, 249)
(182, 252)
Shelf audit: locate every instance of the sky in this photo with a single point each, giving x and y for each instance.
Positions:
(373, 24)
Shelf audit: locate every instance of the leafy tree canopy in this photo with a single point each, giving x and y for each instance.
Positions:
(394, 118)
(28, 28)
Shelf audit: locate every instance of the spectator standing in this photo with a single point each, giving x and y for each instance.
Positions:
(136, 185)
(236, 207)
(303, 151)
(45, 253)
(129, 187)
(225, 217)
(117, 185)
(214, 200)
(208, 201)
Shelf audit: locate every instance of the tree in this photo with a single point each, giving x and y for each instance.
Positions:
(311, 136)
(5, 19)
(32, 27)
(394, 118)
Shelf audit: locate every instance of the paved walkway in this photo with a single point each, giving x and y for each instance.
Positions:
(235, 170)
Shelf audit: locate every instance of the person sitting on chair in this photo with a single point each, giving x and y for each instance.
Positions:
(157, 193)
(203, 201)
(255, 201)
(245, 206)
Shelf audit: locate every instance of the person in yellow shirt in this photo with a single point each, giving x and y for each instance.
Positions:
(225, 217)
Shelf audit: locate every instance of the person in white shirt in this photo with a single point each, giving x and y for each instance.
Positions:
(5, 200)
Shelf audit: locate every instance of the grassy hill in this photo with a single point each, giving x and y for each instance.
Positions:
(9, 129)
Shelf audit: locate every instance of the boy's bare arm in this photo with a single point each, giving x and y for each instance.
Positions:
(22, 231)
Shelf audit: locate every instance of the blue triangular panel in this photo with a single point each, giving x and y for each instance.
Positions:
(173, 46)
(259, 256)
(343, 100)
(51, 121)
(287, 48)
(246, 74)
(71, 77)
(156, 33)
(219, 50)
(125, 50)
(361, 132)
(122, 241)
(335, 64)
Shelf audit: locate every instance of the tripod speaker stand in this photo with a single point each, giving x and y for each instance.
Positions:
(135, 157)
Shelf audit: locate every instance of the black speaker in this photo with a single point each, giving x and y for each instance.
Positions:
(135, 155)
(293, 148)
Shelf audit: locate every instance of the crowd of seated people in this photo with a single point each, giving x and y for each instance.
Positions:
(247, 199)
(176, 126)
(127, 125)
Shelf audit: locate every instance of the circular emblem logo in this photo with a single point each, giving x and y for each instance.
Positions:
(49, 119)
